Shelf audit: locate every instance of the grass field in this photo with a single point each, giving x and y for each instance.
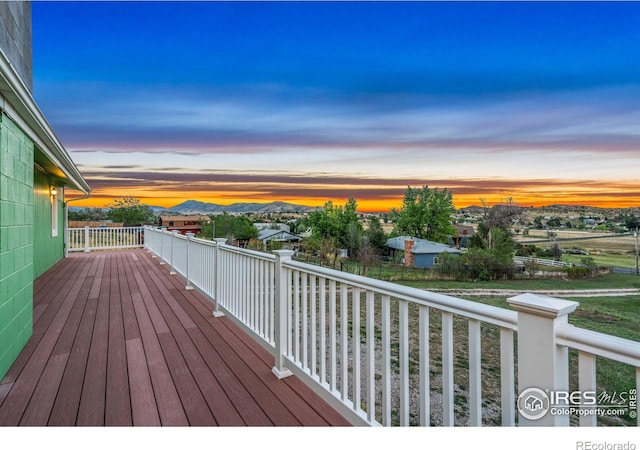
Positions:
(607, 249)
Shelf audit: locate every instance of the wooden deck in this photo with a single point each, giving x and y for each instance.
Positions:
(118, 341)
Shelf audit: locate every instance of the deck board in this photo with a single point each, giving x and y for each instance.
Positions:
(118, 400)
(297, 395)
(143, 402)
(92, 401)
(65, 408)
(119, 341)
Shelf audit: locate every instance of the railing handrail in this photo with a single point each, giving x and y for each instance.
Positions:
(473, 310)
(599, 344)
(107, 228)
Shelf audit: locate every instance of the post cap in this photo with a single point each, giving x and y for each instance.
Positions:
(542, 305)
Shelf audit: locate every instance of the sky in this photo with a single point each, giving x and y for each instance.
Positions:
(306, 102)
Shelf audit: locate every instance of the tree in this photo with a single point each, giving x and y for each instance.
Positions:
(531, 266)
(367, 256)
(504, 215)
(556, 251)
(426, 213)
(88, 214)
(230, 227)
(130, 212)
(337, 224)
(375, 235)
(491, 255)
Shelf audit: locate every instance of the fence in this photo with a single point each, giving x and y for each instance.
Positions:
(386, 354)
(542, 262)
(103, 238)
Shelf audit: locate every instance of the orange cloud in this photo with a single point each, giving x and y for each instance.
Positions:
(167, 189)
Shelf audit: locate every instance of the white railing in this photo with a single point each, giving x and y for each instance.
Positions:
(104, 238)
(543, 262)
(386, 354)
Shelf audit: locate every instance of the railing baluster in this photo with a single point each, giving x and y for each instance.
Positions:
(344, 344)
(355, 352)
(447, 369)
(475, 373)
(371, 357)
(637, 391)
(403, 331)
(587, 382)
(386, 360)
(507, 378)
(425, 384)
(314, 331)
(323, 330)
(332, 334)
(296, 315)
(261, 299)
(253, 288)
(271, 299)
(305, 322)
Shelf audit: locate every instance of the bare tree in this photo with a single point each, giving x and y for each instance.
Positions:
(506, 215)
(367, 256)
(531, 266)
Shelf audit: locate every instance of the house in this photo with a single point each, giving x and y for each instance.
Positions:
(268, 234)
(184, 224)
(419, 253)
(36, 177)
(463, 235)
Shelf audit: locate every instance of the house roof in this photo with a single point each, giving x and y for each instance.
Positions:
(420, 246)
(277, 235)
(464, 230)
(272, 226)
(195, 218)
(16, 100)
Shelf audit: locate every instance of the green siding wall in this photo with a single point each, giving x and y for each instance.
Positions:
(16, 241)
(47, 250)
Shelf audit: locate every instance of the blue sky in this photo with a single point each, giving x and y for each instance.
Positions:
(311, 101)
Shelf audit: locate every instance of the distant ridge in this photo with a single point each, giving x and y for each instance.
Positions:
(196, 207)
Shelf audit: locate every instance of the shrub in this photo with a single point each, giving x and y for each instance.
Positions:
(577, 272)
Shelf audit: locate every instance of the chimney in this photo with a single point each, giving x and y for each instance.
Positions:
(408, 256)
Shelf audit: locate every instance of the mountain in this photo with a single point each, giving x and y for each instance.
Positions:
(196, 207)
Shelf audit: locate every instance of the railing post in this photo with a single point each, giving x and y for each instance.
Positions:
(543, 365)
(217, 282)
(281, 312)
(86, 239)
(188, 287)
(173, 238)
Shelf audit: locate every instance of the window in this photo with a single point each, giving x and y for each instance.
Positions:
(54, 212)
